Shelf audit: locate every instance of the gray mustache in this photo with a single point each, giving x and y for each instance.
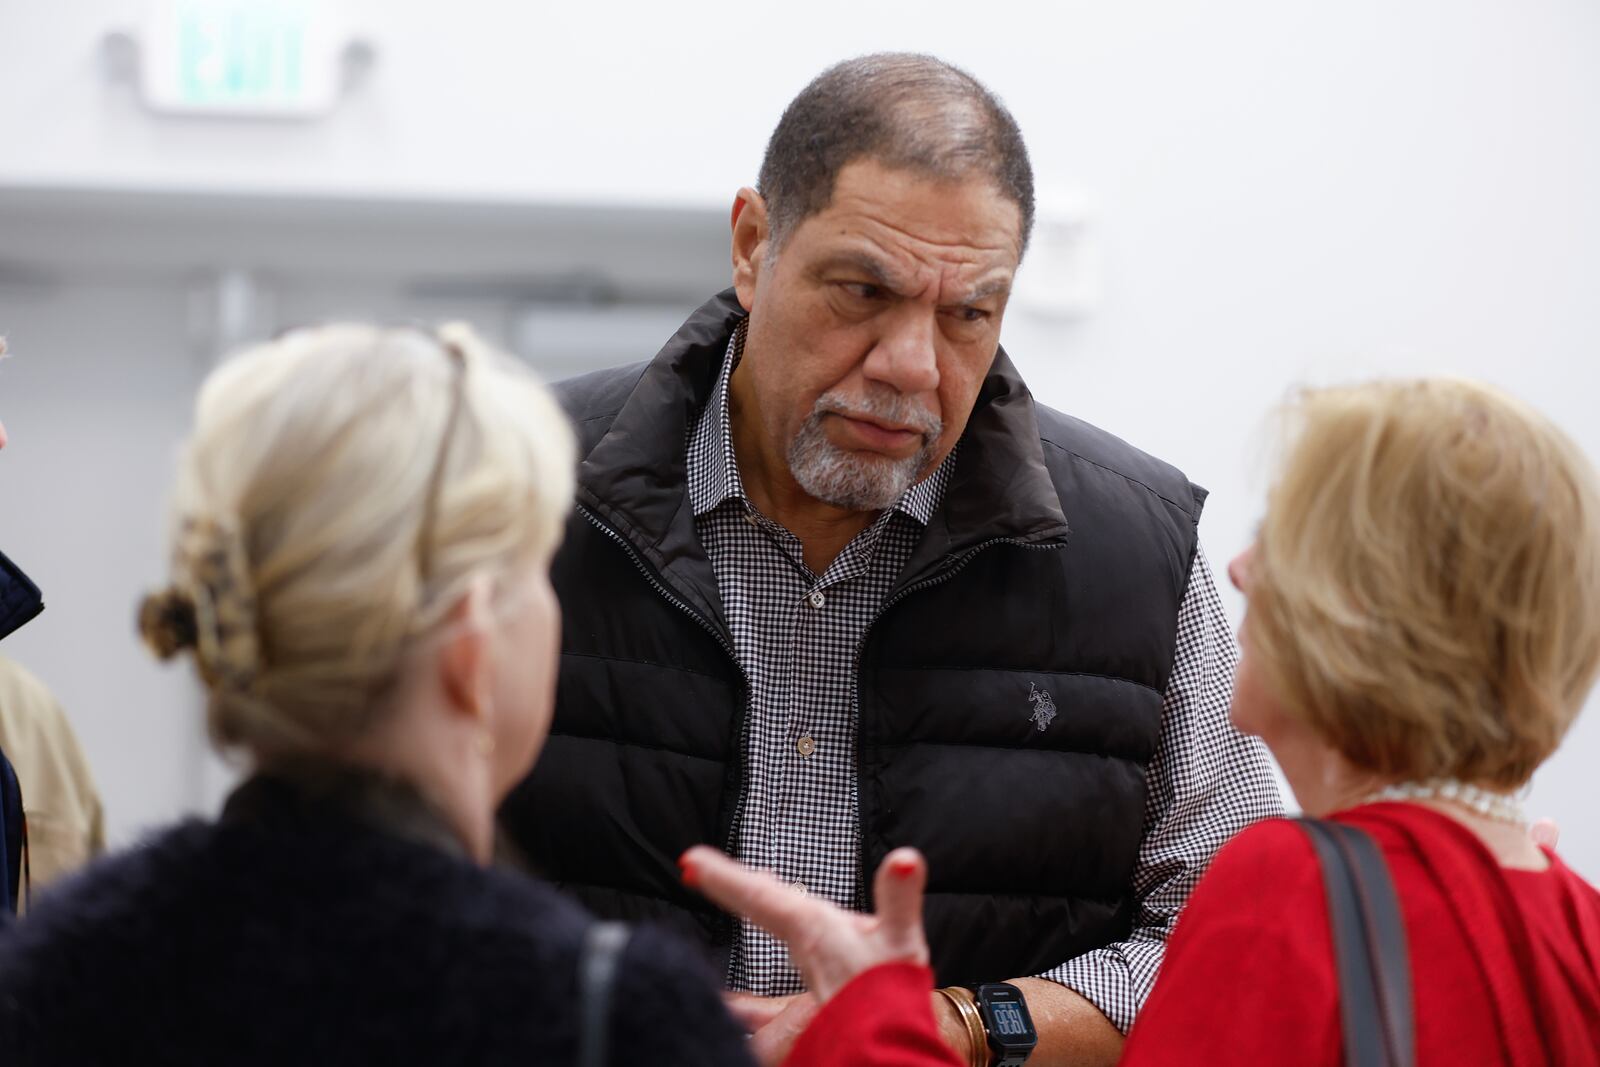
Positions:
(889, 407)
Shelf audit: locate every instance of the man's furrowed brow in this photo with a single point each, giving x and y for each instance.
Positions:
(874, 269)
(980, 293)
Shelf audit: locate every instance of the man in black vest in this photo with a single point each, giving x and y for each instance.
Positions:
(836, 584)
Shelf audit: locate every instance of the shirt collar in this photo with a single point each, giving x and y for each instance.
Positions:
(714, 467)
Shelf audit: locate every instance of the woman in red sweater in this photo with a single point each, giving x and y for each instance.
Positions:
(1423, 627)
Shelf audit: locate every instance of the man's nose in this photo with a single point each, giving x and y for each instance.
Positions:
(905, 357)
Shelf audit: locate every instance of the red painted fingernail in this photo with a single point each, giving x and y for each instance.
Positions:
(691, 877)
(903, 868)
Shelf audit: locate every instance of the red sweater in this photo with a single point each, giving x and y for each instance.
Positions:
(1505, 964)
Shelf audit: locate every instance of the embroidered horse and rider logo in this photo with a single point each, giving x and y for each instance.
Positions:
(1044, 708)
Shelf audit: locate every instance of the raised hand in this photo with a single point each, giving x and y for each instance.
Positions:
(829, 945)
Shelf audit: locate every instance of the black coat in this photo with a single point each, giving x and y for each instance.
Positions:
(1010, 690)
(321, 923)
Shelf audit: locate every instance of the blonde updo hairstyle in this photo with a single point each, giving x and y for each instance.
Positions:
(1426, 583)
(308, 556)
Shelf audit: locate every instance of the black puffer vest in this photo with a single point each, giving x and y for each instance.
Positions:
(1010, 689)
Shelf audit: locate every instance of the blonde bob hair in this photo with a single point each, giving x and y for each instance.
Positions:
(342, 487)
(1426, 583)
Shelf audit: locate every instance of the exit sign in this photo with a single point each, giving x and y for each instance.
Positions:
(268, 58)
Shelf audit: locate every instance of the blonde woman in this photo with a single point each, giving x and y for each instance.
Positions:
(365, 519)
(1423, 628)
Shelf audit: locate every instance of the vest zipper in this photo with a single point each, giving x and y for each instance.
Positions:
(705, 624)
(660, 586)
(943, 575)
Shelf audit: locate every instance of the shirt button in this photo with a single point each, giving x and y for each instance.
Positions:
(750, 517)
(805, 746)
(800, 887)
(816, 599)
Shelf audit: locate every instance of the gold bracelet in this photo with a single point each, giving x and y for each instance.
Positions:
(966, 1006)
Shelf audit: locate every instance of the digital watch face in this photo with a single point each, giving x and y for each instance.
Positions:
(1005, 1016)
(1008, 1021)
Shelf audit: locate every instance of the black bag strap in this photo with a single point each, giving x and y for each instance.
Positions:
(13, 839)
(597, 976)
(1369, 944)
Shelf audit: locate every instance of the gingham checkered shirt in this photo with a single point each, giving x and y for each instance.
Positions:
(797, 635)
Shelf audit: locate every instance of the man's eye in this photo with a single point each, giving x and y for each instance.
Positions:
(970, 314)
(863, 290)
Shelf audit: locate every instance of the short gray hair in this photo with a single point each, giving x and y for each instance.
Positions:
(903, 110)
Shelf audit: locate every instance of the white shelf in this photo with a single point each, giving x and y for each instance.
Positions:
(519, 251)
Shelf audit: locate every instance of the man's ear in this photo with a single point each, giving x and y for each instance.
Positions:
(750, 236)
(464, 657)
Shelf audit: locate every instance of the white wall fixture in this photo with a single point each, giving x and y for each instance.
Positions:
(274, 59)
(1060, 276)
(229, 309)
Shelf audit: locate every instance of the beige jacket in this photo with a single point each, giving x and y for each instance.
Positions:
(66, 825)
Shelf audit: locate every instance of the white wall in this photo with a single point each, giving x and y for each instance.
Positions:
(1281, 191)
(96, 404)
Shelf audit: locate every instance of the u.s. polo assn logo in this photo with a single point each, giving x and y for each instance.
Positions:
(1044, 708)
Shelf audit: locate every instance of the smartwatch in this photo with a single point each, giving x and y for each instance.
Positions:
(1006, 1023)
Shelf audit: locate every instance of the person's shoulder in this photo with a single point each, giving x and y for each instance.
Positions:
(58, 787)
(34, 733)
(144, 867)
(537, 910)
(1255, 927)
(495, 917)
(27, 707)
(1574, 886)
(1273, 852)
(19, 682)
(1068, 441)
(1264, 885)
(121, 897)
(598, 395)
(1582, 886)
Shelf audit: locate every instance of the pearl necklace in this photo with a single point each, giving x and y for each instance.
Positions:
(1490, 805)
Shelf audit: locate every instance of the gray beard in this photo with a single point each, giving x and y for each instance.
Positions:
(858, 481)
